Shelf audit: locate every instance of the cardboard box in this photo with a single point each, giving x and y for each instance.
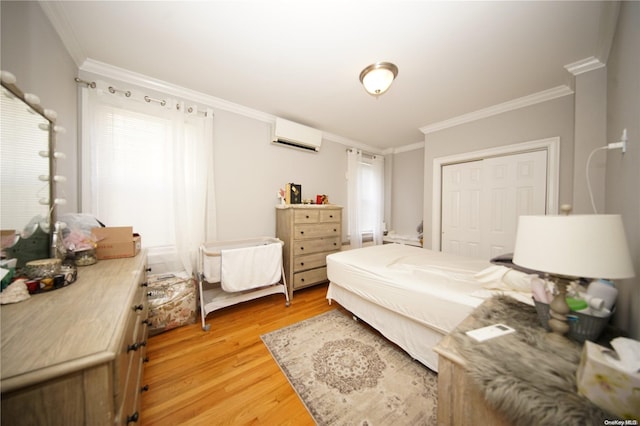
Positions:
(608, 387)
(116, 242)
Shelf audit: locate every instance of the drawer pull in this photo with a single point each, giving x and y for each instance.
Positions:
(301, 263)
(136, 346)
(335, 244)
(144, 284)
(302, 280)
(307, 216)
(146, 321)
(301, 248)
(145, 359)
(138, 307)
(148, 269)
(301, 232)
(335, 230)
(133, 418)
(331, 216)
(144, 388)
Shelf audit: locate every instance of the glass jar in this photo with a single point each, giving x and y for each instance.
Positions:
(85, 257)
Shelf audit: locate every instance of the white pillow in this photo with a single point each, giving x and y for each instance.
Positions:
(503, 278)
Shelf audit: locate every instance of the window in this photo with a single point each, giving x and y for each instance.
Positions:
(365, 189)
(131, 173)
(149, 165)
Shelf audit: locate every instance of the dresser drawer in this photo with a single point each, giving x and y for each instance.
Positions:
(307, 278)
(315, 246)
(330, 215)
(306, 216)
(309, 261)
(133, 343)
(129, 408)
(316, 230)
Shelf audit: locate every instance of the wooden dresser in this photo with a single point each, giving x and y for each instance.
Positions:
(74, 356)
(460, 401)
(310, 233)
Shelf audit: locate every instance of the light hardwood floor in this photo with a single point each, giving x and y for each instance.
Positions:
(227, 376)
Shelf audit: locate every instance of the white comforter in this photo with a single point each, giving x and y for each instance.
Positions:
(436, 289)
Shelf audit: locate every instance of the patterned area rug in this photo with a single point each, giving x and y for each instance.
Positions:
(347, 375)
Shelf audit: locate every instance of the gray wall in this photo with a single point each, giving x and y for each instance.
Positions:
(623, 171)
(407, 191)
(540, 121)
(590, 133)
(249, 170)
(33, 52)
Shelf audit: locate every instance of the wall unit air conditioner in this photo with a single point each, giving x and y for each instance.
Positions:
(288, 133)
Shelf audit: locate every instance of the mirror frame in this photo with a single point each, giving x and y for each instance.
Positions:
(51, 214)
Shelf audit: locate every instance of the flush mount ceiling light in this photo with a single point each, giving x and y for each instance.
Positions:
(377, 78)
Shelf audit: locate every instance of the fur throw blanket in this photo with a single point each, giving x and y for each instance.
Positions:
(527, 376)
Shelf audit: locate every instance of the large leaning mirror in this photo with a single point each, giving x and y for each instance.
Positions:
(26, 164)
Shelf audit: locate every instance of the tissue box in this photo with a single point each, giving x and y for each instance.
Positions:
(605, 385)
(116, 242)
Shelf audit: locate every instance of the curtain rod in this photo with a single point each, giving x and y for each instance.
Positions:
(364, 153)
(127, 93)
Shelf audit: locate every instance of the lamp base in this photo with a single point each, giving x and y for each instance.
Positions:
(558, 308)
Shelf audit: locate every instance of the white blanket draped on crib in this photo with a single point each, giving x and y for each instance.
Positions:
(250, 267)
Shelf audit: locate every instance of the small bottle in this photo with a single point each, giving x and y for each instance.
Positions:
(58, 250)
(594, 302)
(605, 290)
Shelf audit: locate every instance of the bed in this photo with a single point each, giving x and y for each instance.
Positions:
(414, 296)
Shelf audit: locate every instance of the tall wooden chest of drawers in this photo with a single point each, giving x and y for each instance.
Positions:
(75, 356)
(309, 233)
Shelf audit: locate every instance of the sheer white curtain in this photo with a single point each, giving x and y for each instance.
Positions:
(365, 197)
(377, 198)
(354, 160)
(150, 166)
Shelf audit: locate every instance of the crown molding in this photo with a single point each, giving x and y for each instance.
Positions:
(404, 148)
(121, 74)
(55, 13)
(525, 101)
(584, 65)
(351, 143)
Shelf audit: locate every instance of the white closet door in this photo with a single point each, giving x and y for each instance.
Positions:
(461, 203)
(514, 185)
(481, 202)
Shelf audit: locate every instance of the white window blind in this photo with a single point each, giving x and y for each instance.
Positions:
(24, 135)
(131, 173)
(365, 193)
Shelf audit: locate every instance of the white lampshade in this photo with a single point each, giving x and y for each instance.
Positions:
(377, 78)
(587, 246)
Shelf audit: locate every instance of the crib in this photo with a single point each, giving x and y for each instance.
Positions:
(231, 272)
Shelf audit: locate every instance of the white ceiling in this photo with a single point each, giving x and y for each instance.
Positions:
(300, 60)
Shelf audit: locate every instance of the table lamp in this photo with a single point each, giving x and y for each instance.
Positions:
(569, 247)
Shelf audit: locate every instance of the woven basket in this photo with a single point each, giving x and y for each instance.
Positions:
(581, 326)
